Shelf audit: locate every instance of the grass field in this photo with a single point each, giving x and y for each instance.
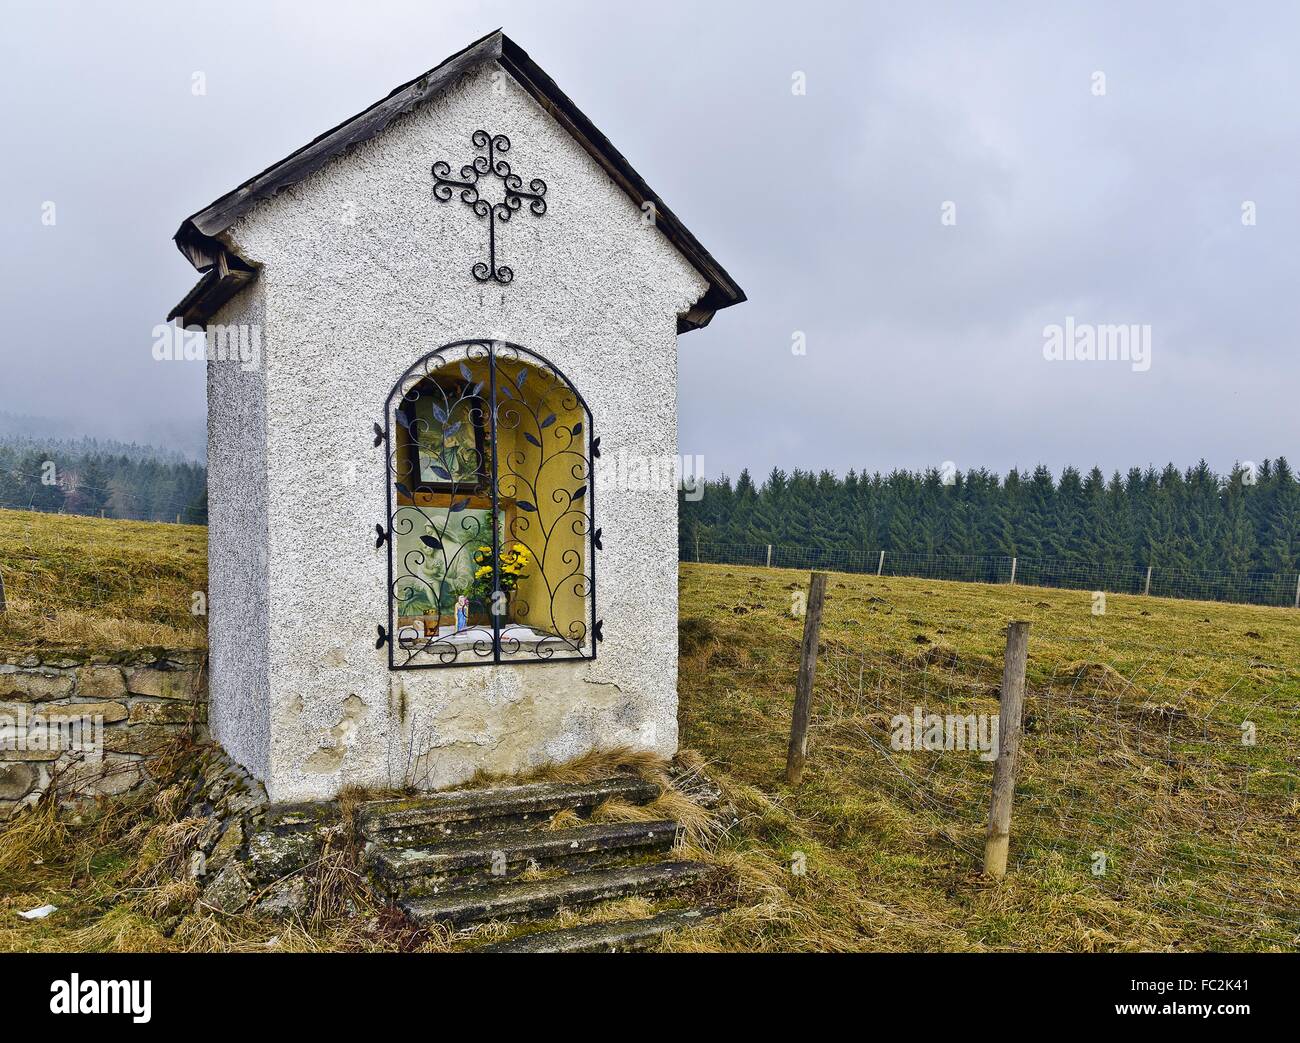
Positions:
(1133, 749)
(100, 585)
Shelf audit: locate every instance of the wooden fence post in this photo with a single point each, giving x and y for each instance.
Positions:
(1297, 594)
(1013, 573)
(998, 837)
(1147, 592)
(769, 555)
(812, 624)
(881, 564)
(2, 592)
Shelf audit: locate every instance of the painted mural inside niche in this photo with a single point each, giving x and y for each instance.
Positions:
(435, 577)
(449, 442)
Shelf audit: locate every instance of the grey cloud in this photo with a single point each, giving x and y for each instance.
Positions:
(924, 341)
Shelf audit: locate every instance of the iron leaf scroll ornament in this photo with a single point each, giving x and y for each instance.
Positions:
(491, 536)
(487, 165)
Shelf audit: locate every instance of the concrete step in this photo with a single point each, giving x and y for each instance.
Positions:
(495, 857)
(615, 936)
(472, 811)
(536, 900)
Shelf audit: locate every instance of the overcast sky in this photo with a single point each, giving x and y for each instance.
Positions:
(1108, 199)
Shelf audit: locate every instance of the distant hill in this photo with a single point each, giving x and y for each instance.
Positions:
(22, 432)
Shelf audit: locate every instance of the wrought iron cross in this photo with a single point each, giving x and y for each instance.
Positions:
(443, 185)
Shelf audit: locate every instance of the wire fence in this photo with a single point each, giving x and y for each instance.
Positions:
(1253, 588)
(1164, 780)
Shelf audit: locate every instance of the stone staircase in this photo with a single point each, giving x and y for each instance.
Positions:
(467, 857)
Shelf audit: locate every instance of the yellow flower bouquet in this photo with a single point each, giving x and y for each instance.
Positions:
(512, 562)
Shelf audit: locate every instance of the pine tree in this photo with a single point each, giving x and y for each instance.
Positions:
(1282, 536)
(1237, 545)
(1082, 530)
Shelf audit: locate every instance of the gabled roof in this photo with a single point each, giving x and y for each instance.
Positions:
(200, 235)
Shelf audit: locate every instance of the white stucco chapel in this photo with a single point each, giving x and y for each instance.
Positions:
(464, 296)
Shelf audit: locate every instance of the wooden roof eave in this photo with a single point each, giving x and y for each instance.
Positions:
(225, 274)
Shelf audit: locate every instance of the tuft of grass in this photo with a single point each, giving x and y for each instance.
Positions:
(29, 834)
(1100, 677)
(698, 825)
(589, 767)
(565, 818)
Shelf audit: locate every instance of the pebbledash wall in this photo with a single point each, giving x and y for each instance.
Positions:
(364, 272)
(122, 710)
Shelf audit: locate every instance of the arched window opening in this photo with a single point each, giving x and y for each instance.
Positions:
(490, 529)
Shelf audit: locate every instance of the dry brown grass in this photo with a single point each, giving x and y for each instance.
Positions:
(882, 869)
(95, 585)
(698, 825)
(1122, 707)
(119, 873)
(590, 767)
(27, 836)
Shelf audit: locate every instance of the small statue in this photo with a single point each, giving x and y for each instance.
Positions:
(462, 613)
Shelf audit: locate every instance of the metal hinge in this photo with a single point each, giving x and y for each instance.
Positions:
(379, 436)
(600, 630)
(383, 637)
(381, 535)
(595, 448)
(595, 540)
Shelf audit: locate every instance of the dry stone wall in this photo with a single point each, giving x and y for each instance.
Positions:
(92, 726)
(97, 726)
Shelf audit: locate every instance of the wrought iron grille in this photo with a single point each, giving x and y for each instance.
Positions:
(490, 531)
(496, 146)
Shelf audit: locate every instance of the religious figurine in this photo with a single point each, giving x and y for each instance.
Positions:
(462, 613)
